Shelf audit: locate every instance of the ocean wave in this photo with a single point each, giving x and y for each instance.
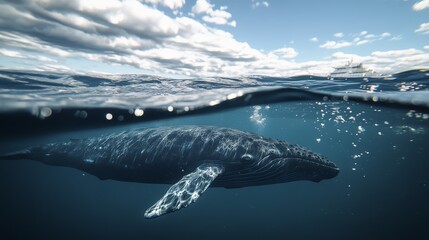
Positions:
(35, 100)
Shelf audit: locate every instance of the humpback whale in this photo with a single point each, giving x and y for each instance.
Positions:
(191, 158)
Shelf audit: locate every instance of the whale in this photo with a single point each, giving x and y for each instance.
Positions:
(189, 158)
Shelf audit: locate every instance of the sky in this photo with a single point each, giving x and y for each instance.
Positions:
(213, 37)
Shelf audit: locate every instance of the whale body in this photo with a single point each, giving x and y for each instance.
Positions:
(191, 158)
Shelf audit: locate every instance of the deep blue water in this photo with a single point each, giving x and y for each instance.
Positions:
(375, 130)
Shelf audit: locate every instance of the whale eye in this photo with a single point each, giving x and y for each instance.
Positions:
(247, 158)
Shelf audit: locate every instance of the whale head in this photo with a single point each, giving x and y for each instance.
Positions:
(279, 162)
(300, 163)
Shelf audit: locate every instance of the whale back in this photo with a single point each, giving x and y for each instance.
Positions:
(153, 155)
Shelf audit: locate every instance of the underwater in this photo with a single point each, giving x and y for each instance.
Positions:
(377, 138)
(214, 119)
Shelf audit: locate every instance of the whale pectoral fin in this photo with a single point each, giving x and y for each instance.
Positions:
(185, 191)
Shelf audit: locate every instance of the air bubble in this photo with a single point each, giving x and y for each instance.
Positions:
(81, 114)
(45, 112)
(138, 112)
(109, 116)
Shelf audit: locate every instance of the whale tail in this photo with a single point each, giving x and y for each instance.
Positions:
(18, 155)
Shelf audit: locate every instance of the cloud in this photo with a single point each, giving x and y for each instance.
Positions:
(335, 45)
(172, 4)
(202, 6)
(285, 53)
(29, 43)
(426, 47)
(220, 18)
(215, 16)
(424, 28)
(314, 39)
(388, 61)
(397, 53)
(256, 4)
(423, 4)
(384, 35)
(15, 54)
(380, 61)
(357, 41)
(396, 38)
(133, 33)
(54, 68)
(339, 35)
(121, 32)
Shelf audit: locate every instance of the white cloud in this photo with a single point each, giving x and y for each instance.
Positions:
(424, 28)
(16, 54)
(286, 53)
(426, 47)
(18, 41)
(385, 34)
(362, 42)
(256, 4)
(387, 61)
(335, 45)
(54, 68)
(134, 34)
(124, 14)
(357, 41)
(211, 15)
(314, 39)
(421, 5)
(382, 62)
(202, 6)
(339, 35)
(172, 4)
(397, 53)
(396, 38)
(124, 40)
(219, 17)
(9, 53)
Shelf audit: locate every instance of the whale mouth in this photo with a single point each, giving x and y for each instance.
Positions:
(278, 170)
(317, 169)
(321, 162)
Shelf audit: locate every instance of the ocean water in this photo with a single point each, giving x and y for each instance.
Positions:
(375, 130)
